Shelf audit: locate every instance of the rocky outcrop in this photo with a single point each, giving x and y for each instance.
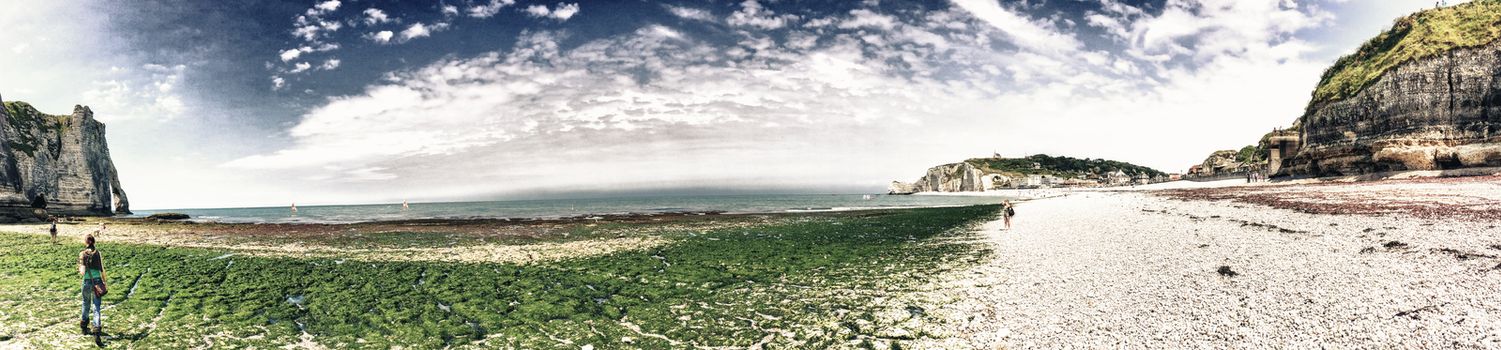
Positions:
(1219, 163)
(1035, 171)
(956, 177)
(1433, 113)
(63, 159)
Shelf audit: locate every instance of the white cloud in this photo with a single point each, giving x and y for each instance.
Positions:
(562, 13)
(863, 18)
(300, 67)
(330, 64)
(417, 30)
(450, 10)
(327, 6)
(1022, 31)
(366, 174)
(290, 54)
(383, 36)
(847, 97)
(565, 11)
(752, 14)
(489, 9)
(820, 22)
(150, 95)
(1205, 29)
(538, 11)
(696, 14)
(314, 30)
(374, 16)
(497, 110)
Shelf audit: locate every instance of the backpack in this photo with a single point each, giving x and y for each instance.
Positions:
(1010, 211)
(92, 261)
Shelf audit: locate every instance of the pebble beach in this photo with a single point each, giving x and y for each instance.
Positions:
(1174, 269)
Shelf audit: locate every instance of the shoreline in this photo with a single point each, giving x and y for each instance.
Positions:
(609, 217)
(561, 210)
(471, 240)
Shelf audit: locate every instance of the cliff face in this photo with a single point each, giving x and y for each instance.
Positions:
(982, 174)
(1439, 112)
(957, 177)
(62, 159)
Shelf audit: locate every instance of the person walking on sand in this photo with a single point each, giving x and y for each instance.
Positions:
(1007, 211)
(99, 232)
(53, 230)
(91, 268)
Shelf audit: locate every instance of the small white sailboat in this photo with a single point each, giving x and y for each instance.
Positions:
(404, 205)
(294, 208)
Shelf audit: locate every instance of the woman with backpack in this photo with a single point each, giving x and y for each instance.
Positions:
(91, 267)
(1007, 211)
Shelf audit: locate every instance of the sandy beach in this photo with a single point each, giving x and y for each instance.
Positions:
(1400, 264)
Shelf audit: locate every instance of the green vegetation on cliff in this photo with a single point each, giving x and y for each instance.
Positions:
(1417, 36)
(23, 119)
(1061, 166)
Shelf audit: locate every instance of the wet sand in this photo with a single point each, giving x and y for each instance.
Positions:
(476, 240)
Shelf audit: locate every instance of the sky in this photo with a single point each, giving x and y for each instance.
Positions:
(267, 102)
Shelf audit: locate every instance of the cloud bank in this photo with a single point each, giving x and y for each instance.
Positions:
(851, 99)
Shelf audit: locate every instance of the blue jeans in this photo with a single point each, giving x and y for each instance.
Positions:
(88, 297)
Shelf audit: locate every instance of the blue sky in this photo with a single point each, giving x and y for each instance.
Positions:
(238, 102)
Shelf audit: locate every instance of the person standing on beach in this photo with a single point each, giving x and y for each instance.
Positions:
(1007, 211)
(91, 268)
(53, 229)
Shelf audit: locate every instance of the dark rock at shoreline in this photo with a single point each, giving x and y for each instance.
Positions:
(168, 216)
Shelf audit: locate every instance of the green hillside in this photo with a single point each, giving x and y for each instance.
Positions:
(1067, 167)
(1420, 35)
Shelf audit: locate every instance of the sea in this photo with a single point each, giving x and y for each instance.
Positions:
(561, 208)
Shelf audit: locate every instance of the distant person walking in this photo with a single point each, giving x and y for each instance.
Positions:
(91, 268)
(99, 232)
(1007, 211)
(53, 229)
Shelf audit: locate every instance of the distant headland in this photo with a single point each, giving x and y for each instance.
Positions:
(1036, 171)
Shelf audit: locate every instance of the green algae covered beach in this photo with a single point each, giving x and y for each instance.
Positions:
(758, 281)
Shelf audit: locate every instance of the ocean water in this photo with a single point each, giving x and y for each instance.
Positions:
(556, 208)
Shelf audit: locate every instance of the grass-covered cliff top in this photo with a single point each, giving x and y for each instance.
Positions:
(24, 118)
(1062, 166)
(1417, 36)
